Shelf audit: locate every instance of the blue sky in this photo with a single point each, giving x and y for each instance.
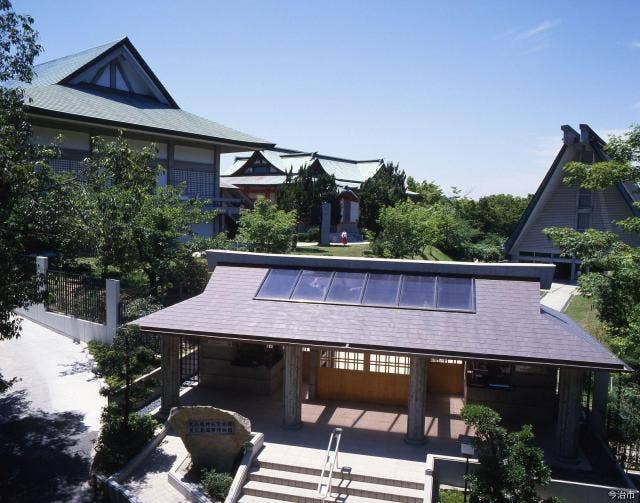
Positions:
(468, 94)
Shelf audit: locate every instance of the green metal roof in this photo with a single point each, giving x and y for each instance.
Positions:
(49, 94)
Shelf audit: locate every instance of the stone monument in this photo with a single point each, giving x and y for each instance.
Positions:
(214, 437)
(325, 225)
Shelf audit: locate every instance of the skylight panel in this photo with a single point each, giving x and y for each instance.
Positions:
(418, 292)
(346, 287)
(312, 285)
(455, 293)
(278, 284)
(382, 290)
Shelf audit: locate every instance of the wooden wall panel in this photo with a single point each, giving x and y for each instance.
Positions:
(446, 378)
(360, 386)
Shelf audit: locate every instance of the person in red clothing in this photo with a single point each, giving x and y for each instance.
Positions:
(344, 238)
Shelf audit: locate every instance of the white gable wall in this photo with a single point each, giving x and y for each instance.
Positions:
(73, 140)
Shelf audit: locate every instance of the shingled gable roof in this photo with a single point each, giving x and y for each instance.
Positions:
(508, 323)
(630, 192)
(56, 92)
(284, 160)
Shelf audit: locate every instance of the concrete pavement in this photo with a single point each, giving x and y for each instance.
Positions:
(49, 419)
(558, 296)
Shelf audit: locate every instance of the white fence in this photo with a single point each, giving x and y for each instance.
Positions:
(71, 326)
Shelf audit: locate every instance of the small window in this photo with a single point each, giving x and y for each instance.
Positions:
(584, 198)
(382, 290)
(418, 291)
(312, 285)
(346, 287)
(584, 221)
(278, 284)
(455, 293)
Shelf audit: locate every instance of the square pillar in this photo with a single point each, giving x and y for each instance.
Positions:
(170, 369)
(570, 386)
(314, 363)
(417, 404)
(598, 418)
(292, 388)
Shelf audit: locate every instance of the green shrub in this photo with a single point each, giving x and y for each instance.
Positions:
(119, 441)
(451, 496)
(137, 308)
(199, 243)
(309, 236)
(216, 484)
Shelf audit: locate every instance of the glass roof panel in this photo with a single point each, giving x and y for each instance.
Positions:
(455, 293)
(278, 284)
(418, 291)
(312, 285)
(346, 287)
(382, 290)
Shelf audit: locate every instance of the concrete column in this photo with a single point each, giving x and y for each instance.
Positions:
(314, 363)
(112, 304)
(325, 224)
(567, 428)
(292, 388)
(417, 400)
(599, 401)
(170, 363)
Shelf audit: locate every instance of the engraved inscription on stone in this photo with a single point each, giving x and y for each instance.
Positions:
(211, 427)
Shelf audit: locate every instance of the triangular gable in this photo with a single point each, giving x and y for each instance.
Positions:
(120, 67)
(571, 137)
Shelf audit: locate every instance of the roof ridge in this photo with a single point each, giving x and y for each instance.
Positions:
(106, 45)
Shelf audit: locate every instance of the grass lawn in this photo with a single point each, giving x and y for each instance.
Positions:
(581, 310)
(431, 253)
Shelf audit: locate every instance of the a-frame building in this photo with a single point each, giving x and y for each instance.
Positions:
(558, 204)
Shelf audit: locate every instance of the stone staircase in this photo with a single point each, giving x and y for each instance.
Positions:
(270, 481)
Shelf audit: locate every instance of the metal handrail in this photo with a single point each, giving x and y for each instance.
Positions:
(324, 489)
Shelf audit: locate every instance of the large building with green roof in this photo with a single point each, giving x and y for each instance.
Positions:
(108, 88)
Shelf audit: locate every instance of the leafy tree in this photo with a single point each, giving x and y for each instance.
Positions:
(124, 432)
(510, 465)
(386, 188)
(267, 228)
(404, 231)
(611, 271)
(428, 192)
(19, 174)
(305, 192)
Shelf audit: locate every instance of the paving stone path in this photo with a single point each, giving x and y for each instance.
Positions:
(49, 419)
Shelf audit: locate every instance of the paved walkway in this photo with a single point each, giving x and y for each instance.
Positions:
(558, 296)
(49, 419)
(149, 480)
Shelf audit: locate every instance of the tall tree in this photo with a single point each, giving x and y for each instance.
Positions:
(305, 192)
(267, 229)
(23, 168)
(386, 188)
(428, 193)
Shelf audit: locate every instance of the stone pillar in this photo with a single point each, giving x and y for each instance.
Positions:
(417, 400)
(599, 401)
(567, 428)
(292, 388)
(170, 363)
(42, 265)
(325, 224)
(112, 304)
(314, 363)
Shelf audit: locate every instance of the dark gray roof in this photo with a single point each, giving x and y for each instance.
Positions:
(508, 325)
(50, 94)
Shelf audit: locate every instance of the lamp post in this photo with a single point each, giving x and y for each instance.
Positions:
(466, 448)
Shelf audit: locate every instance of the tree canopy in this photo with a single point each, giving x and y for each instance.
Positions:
(386, 188)
(266, 228)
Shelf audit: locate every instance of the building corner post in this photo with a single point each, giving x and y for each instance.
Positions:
(292, 388)
(570, 386)
(417, 403)
(170, 365)
(598, 417)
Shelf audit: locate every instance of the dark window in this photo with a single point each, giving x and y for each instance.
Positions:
(312, 285)
(418, 291)
(584, 221)
(346, 287)
(455, 293)
(198, 183)
(584, 198)
(382, 290)
(278, 284)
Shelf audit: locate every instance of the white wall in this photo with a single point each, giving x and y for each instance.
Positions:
(70, 139)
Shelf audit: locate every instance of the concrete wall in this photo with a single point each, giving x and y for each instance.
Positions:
(75, 328)
(449, 471)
